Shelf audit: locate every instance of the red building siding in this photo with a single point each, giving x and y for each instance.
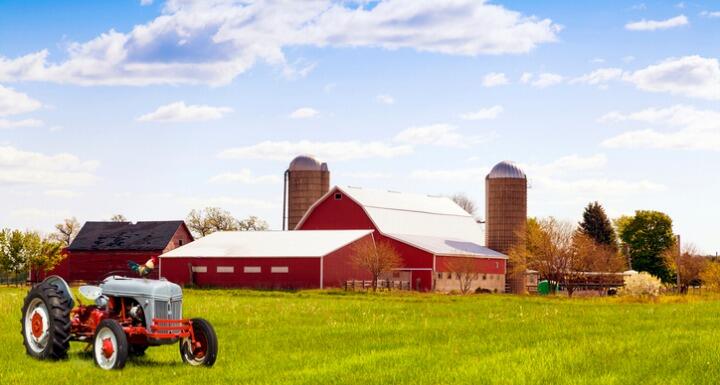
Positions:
(483, 265)
(338, 266)
(303, 273)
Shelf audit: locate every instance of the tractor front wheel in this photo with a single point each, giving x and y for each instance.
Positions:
(110, 347)
(204, 350)
(46, 322)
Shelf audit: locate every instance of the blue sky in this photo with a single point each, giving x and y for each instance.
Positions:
(150, 110)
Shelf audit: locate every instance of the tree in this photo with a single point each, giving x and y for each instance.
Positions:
(377, 258)
(686, 264)
(465, 269)
(13, 255)
(647, 235)
(42, 254)
(711, 275)
(66, 231)
(252, 223)
(210, 220)
(597, 226)
(118, 218)
(466, 203)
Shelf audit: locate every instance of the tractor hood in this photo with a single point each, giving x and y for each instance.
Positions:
(139, 287)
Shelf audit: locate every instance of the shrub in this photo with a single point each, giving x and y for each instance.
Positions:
(642, 285)
(481, 290)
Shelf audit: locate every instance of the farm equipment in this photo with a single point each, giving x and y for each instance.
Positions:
(127, 316)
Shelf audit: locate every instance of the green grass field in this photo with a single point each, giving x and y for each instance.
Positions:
(334, 338)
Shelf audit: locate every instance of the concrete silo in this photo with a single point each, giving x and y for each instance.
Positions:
(505, 213)
(306, 180)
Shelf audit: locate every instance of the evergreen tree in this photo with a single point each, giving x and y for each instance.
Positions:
(597, 225)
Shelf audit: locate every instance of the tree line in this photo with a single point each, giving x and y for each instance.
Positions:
(27, 251)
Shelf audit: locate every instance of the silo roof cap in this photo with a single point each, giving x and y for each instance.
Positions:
(306, 163)
(506, 169)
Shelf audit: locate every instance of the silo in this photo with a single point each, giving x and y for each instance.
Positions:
(505, 213)
(306, 181)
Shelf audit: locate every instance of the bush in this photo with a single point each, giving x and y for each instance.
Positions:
(641, 285)
(481, 290)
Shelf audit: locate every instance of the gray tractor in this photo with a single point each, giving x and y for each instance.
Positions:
(127, 315)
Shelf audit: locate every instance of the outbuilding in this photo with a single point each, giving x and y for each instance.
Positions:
(267, 259)
(103, 248)
(432, 234)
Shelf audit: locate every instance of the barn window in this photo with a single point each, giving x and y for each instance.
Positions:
(199, 269)
(338, 196)
(484, 277)
(439, 275)
(279, 269)
(252, 269)
(225, 269)
(180, 242)
(497, 265)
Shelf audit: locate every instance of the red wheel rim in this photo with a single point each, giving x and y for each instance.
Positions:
(107, 348)
(37, 325)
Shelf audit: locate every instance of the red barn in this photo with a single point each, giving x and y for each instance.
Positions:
(430, 233)
(266, 259)
(101, 248)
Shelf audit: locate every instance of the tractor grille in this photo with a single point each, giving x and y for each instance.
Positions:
(161, 310)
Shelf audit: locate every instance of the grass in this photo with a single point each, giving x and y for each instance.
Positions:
(336, 338)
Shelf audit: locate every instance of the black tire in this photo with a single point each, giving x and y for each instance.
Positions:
(136, 350)
(119, 355)
(205, 335)
(57, 315)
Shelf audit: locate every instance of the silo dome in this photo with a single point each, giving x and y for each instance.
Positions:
(506, 169)
(305, 163)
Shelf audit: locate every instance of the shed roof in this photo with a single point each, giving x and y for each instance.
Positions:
(126, 236)
(284, 244)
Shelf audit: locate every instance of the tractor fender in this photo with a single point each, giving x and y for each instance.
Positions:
(62, 286)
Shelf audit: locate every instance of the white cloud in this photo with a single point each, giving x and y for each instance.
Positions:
(680, 5)
(567, 164)
(61, 193)
(451, 175)
(227, 201)
(546, 80)
(638, 7)
(244, 176)
(304, 113)
(331, 151)
(23, 123)
(526, 77)
(592, 188)
(483, 113)
(652, 25)
(444, 135)
(495, 79)
(710, 14)
(628, 58)
(181, 112)
(212, 42)
(385, 99)
(597, 60)
(146, 2)
(366, 175)
(25, 167)
(13, 102)
(693, 76)
(689, 128)
(599, 77)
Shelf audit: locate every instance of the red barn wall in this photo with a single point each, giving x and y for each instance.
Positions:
(93, 265)
(181, 237)
(483, 265)
(303, 273)
(338, 266)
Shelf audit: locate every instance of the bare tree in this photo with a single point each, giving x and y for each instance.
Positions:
(377, 258)
(66, 231)
(687, 264)
(118, 218)
(252, 223)
(466, 203)
(465, 270)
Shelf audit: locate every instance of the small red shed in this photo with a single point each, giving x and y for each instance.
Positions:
(102, 248)
(428, 231)
(266, 259)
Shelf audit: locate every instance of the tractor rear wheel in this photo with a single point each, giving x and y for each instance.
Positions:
(46, 322)
(110, 346)
(204, 350)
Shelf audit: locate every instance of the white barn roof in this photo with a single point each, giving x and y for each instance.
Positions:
(285, 244)
(429, 222)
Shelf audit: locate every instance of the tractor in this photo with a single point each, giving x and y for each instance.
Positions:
(125, 317)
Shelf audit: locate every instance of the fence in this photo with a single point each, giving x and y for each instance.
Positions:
(382, 284)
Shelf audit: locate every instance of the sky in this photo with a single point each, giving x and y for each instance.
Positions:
(153, 108)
